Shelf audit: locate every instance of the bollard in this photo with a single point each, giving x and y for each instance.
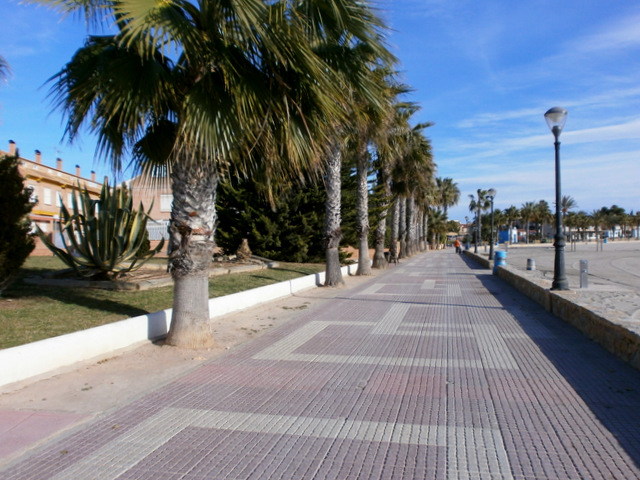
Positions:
(500, 260)
(584, 274)
(531, 264)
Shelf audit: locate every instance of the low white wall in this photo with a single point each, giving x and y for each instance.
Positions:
(37, 358)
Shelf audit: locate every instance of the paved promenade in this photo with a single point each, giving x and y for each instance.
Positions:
(434, 369)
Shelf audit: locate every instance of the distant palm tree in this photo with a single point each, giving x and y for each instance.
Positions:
(366, 126)
(614, 217)
(511, 214)
(541, 215)
(570, 221)
(5, 69)
(389, 149)
(527, 212)
(447, 193)
(635, 220)
(478, 205)
(599, 219)
(437, 228)
(583, 222)
(567, 203)
(624, 221)
(412, 180)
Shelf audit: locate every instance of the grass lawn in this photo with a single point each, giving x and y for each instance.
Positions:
(33, 312)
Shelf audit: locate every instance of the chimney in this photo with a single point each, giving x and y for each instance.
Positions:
(77, 170)
(38, 157)
(93, 176)
(12, 147)
(59, 163)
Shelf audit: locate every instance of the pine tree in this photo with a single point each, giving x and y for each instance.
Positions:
(16, 241)
(289, 230)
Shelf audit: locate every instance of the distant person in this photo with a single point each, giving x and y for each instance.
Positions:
(457, 245)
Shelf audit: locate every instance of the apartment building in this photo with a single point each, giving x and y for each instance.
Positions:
(51, 187)
(157, 198)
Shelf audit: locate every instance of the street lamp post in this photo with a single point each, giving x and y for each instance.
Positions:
(478, 224)
(556, 118)
(491, 195)
(466, 223)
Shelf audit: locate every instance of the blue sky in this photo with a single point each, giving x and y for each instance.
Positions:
(483, 71)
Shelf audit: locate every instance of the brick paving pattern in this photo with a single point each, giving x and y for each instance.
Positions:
(434, 369)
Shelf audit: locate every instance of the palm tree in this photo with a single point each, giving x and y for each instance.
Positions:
(599, 219)
(478, 205)
(511, 214)
(448, 193)
(624, 221)
(389, 149)
(437, 228)
(354, 63)
(527, 211)
(368, 125)
(567, 203)
(5, 69)
(635, 220)
(583, 222)
(571, 221)
(499, 219)
(333, 216)
(613, 217)
(541, 215)
(413, 179)
(242, 89)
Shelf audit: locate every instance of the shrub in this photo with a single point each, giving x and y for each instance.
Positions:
(103, 238)
(16, 241)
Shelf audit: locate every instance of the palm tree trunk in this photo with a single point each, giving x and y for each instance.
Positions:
(381, 230)
(393, 247)
(332, 219)
(193, 219)
(420, 225)
(425, 221)
(402, 227)
(411, 227)
(362, 213)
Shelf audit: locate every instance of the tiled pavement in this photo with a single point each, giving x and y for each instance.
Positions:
(431, 370)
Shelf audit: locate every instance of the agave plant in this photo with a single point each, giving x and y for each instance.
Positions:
(102, 238)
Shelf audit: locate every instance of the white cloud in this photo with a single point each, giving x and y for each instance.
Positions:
(619, 35)
(494, 118)
(629, 130)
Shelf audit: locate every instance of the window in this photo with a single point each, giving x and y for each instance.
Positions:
(58, 200)
(159, 171)
(47, 196)
(69, 199)
(165, 202)
(33, 197)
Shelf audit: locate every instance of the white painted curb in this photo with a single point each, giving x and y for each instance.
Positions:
(38, 358)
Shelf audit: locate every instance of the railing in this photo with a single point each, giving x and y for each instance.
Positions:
(158, 230)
